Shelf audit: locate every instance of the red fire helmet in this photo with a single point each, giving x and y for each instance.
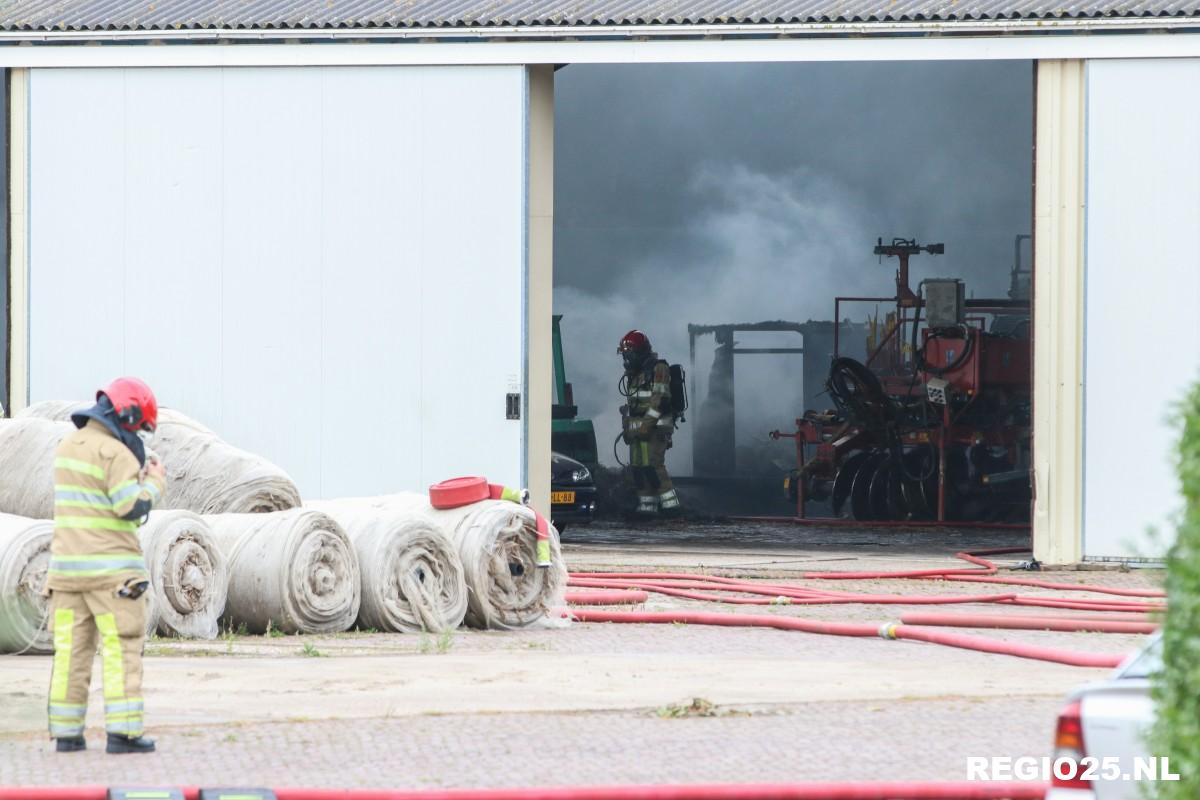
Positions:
(136, 407)
(636, 341)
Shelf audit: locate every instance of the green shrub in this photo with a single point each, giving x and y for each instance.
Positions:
(1177, 689)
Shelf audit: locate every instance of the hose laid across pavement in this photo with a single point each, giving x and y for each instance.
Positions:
(887, 631)
(294, 571)
(847, 790)
(603, 597)
(778, 595)
(985, 572)
(24, 557)
(412, 575)
(850, 790)
(189, 574)
(1013, 622)
(205, 474)
(712, 588)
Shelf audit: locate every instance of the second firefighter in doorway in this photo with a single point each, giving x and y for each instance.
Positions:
(647, 423)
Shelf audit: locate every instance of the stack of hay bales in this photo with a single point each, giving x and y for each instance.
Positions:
(189, 574)
(230, 542)
(205, 474)
(27, 448)
(24, 609)
(412, 576)
(497, 542)
(293, 571)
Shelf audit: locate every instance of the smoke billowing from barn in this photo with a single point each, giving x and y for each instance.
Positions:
(742, 193)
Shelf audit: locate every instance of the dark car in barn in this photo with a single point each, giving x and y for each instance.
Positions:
(572, 492)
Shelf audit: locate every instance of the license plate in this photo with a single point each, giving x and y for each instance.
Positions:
(559, 498)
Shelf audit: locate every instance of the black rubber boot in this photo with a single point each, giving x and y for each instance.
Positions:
(126, 744)
(71, 744)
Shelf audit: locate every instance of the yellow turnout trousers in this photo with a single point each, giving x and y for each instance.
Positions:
(80, 621)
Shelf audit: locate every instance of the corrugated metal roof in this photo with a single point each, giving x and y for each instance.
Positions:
(164, 15)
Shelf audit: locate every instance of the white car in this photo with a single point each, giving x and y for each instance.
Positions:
(1103, 729)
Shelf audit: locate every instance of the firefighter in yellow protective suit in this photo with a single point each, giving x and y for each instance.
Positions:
(104, 485)
(647, 424)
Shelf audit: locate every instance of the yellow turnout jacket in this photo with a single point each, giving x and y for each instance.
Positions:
(96, 486)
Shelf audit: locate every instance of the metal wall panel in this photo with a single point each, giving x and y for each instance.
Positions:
(1142, 339)
(325, 265)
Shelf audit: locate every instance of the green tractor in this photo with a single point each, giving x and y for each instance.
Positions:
(569, 435)
(573, 440)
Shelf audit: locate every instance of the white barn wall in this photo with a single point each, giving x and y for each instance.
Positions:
(1142, 344)
(299, 257)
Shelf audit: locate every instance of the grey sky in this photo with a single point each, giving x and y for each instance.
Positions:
(709, 193)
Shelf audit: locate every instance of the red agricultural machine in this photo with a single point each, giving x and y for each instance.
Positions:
(936, 424)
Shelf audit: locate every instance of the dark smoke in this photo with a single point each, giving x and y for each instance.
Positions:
(741, 193)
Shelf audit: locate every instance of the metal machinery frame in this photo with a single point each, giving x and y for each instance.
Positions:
(715, 431)
(959, 367)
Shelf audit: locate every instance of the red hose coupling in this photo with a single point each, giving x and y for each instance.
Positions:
(457, 492)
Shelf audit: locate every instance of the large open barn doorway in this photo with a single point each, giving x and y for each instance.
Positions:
(764, 223)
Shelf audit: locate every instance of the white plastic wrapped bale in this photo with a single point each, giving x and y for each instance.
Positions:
(205, 474)
(57, 410)
(497, 542)
(24, 610)
(412, 576)
(209, 476)
(27, 448)
(293, 571)
(189, 574)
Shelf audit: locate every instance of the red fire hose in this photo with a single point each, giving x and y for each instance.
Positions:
(887, 631)
(978, 790)
(985, 573)
(779, 791)
(619, 597)
(728, 620)
(714, 588)
(1027, 623)
(780, 595)
(1054, 654)
(1062, 587)
(1088, 605)
(783, 594)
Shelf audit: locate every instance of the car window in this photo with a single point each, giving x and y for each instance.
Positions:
(1147, 662)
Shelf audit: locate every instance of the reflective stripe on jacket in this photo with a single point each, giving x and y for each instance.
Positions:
(96, 484)
(650, 396)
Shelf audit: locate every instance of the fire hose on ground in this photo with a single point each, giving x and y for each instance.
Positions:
(617, 587)
(865, 790)
(1004, 621)
(774, 594)
(886, 631)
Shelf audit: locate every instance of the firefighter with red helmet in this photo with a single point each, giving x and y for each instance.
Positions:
(104, 486)
(647, 424)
